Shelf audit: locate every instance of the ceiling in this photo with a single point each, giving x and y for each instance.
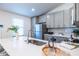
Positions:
(25, 9)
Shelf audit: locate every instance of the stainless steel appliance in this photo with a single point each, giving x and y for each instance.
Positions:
(39, 30)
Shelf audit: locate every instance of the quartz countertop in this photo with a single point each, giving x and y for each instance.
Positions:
(18, 47)
(59, 35)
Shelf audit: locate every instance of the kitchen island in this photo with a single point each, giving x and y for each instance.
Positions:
(18, 47)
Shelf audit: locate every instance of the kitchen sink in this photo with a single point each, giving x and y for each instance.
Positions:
(35, 42)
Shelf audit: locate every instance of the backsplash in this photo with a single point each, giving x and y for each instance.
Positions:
(66, 31)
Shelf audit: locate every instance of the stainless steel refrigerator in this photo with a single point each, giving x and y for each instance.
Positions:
(39, 31)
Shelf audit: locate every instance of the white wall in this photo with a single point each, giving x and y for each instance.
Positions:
(6, 21)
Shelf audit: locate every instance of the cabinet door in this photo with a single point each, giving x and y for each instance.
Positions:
(59, 19)
(56, 17)
(42, 18)
(72, 16)
(77, 11)
(67, 18)
(52, 20)
(48, 22)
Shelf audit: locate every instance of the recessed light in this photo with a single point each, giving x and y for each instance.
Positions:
(33, 9)
(48, 16)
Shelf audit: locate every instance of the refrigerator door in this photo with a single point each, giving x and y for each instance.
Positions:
(38, 27)
(38, 35)
(38, 31)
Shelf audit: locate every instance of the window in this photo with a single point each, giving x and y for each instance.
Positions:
(20, 24)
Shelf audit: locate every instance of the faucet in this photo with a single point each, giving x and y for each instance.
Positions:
(51, 40)
(51, 46)
(28, 35)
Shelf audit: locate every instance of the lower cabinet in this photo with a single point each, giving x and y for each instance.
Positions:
(46, 36)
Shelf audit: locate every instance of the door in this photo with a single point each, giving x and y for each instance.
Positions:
(51, 20)
(77, 11)
(56, 19)
(48, 21)
(67, 18)
(59, 19)
(38, 31)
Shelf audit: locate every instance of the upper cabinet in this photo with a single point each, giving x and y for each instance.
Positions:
(58, 19)
(55, 20)
(77, 11)
(72, 16)
(42, 18)
(67, 18)
(63, 16)
(50, 21)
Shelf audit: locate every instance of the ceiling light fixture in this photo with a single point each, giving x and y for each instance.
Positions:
(33, 9)
(48, 16)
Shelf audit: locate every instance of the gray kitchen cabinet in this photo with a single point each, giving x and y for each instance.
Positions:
(77, 11)
(42, 18)
(50, 21)
(58, 18)
(61, 19)
(72, 16)
(64, 17)
(55, 20)
(67, 18)
(75, 14)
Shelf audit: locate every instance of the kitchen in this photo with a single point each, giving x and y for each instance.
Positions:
(57, 24)
(60, 23)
